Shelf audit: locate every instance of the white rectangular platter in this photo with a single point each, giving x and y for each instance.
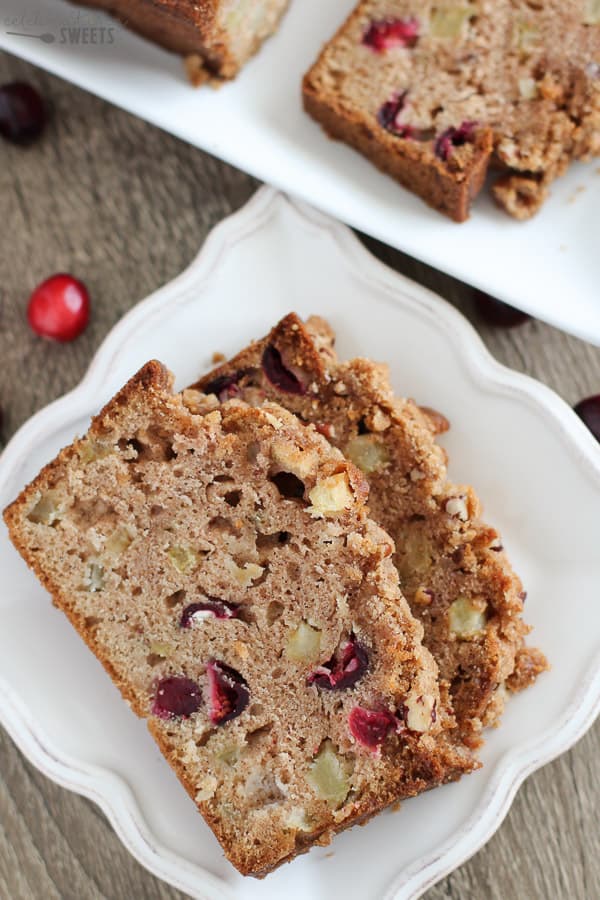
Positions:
(549, 266)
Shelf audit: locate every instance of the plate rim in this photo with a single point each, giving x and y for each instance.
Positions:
(108, 789)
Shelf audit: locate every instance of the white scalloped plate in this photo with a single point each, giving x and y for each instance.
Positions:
(525, 451)
(549, 266)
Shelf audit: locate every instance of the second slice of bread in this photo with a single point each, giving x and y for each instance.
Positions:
(453, 568)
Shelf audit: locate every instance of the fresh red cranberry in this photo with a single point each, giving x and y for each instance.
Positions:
(22, 113)
(370, 727)
(385, 34)
(454, 137)
(278, 374)
(229, 694)
(344, 668)
(224, 386)
(588, 411)
(59, 308)
(208, 609)
(176, 697)
(495, 312)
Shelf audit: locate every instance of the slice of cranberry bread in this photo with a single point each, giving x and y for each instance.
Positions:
(434, 93)
(223, 569)
(453, 568)
(216, 36)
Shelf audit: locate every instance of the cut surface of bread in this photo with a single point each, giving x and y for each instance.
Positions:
(222, 567)
(216, 36)
(433, 93)
(453, 568)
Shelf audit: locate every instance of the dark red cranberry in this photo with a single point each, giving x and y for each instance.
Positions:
(59, 308)
(278, 374)
(176, 697)
(229, 694)
(454, 137)
(22, 113)
(385, 34)
(495, 312)
(370, 727)
(224, 386)
(388, 113)
(343, 669)
(588, 411)
(211, 608)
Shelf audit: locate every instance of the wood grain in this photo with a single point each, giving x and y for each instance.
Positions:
(125, 207)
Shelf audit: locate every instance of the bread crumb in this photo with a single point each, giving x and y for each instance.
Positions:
(195, 70)
(578, 190)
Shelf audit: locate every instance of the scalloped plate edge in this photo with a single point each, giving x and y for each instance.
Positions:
(107, 789)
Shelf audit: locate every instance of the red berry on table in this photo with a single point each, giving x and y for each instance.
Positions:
(495, 312)
(59, 308)
(22, 113)
(588, 411)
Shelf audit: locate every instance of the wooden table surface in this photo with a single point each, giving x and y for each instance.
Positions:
(125, 208)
